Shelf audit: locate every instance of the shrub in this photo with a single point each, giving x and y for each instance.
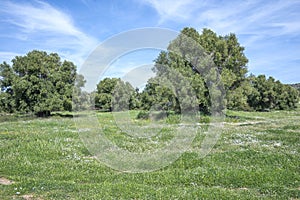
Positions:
(143, 115)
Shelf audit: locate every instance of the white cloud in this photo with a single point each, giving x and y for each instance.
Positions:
(262, 26)
(241, 17)
(48, 28)
(40, 17)
(8, 56)
(172, 9)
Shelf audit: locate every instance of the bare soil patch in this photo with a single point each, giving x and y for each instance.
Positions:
(5, 181)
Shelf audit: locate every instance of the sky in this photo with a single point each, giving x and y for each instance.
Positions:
(269, 30)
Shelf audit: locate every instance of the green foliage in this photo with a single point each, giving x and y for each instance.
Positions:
(158, 97)
(104, 93)
(223, 52)
(115, 94)
(296, 86)
(227, 54)
(237, 99)
(242, 92)
(143, 115)
(270, 94)
(204, 119)
(7, 103)
(173, 118)
(37, 82)
(201, 71)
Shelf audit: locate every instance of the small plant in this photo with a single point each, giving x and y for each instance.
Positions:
(173, 119)
(143, 115)
(204, 119)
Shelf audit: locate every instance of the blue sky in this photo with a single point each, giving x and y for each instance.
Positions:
(269, 30)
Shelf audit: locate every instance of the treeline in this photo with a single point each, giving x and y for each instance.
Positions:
(241, 92)
(254, 94)
(41, 83)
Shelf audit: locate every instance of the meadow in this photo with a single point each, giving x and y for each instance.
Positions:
(256, 157)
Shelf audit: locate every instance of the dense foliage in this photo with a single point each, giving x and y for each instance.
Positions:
(296, 86)
(115, 94)
(242, 92)
(270, 94)
(38, 83)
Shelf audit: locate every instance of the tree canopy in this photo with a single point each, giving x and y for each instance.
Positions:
(38, 83)
(242, 92)
(196, 69)
(115, 94)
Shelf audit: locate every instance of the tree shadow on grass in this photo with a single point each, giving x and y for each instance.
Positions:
(64, 115)
(16, 117)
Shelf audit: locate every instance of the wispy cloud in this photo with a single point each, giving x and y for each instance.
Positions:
(242, 17)
(130, 61)
(8, 56)
(263, 27)
(48, 28)
(270, 30)
(172, 10)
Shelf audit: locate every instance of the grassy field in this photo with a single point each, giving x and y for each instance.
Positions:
(257, 157)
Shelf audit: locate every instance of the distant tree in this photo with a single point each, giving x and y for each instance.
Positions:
(124, 97)
(287, 96)
(7, 103)
(237, 99)
(158, 97)
(38, 82)
(104, 93)
(270, 94)
(113, 93)
(296, 86)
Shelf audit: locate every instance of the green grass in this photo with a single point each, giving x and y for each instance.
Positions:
(257, 157)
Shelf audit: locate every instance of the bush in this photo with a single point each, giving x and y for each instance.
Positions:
(204, 119)
(143, 115)
(173, 119)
